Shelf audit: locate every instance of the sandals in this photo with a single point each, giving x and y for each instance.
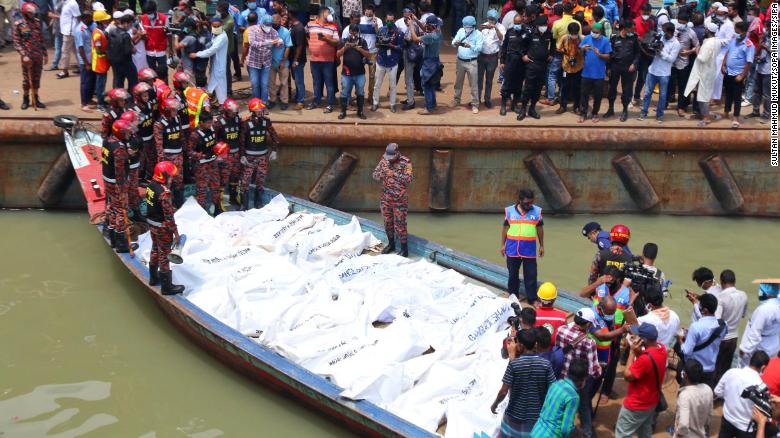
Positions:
(62, 75)
(734, 124)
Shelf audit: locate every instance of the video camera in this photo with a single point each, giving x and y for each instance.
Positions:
(384, 40)
(513, 321)
(653, 41)
(642, 279)
(759, 395)
(173, 29)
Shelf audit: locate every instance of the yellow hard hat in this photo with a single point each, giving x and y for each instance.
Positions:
(100, 15)
(547, 292)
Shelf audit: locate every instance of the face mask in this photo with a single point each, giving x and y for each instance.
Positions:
(740, 37)
(330, 18)
(682, 28)
(252, 5)
(468, 28)
(517, 27)
(608, 318)
(266, 27)
(630, 34)
(595, 35)
(527, 206)
(542, 29)
(216, 30)
(645, 17)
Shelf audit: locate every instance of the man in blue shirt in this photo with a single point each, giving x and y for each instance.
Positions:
(611, 11)
(736, 66)
(660, 71)
(597, 49)
(593, 232)
(280, 63)
(83, 40)
(697, 343)
(430, 72)
(389, 45)
(468, 40)
(251, 6)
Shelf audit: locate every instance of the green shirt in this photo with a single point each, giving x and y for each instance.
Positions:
(556, 420)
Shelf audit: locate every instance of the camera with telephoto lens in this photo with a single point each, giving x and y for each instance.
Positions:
(642, 280)
(513, 321)
(655, 43)
(173, 29)
(384, 40)
(759, 395)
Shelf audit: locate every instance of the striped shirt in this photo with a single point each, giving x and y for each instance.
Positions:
(319, 50)
(557, 417)
(585, 349)
(529, 377)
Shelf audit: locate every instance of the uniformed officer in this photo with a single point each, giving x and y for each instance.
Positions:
(547, 315)
(28, 41)
(763, 327)
(181, 81)
(395, 173)
(117, 101)
(133, 164)
(257, 131)
(523, 227)
(162, 226)
(537, 51)
(623, 62)
(511, 63)
(615, 255)
(114, 163)
(149, 77)
(593, 232)
(169, 140)
(228, 129)
(142, 97)
(203, 139)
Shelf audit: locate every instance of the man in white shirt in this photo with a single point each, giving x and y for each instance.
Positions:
(663, 318)
(737, 411)
(408, 67)
(763, 328)
(659, 72)
(487, 62)
(705, 279)
(733, 303)
(69, 21)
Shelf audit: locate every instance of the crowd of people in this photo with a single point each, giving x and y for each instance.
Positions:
(567, 54)
(560, 362)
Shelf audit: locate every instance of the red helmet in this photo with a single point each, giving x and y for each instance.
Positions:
(130, 117)
(230, 106)
(221, 149)
(163, 91)
(164, 170)
(29, 7)
(171, 103)
(181, 79)
(140, 88)
(147, 74)
(121, 129)
(117, 95)
(256, 104)
(620, 233)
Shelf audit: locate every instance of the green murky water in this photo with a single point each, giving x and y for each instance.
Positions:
(87, 353)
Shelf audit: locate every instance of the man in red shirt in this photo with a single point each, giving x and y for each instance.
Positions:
(548, 316)
(644, 373)
(771, 376)
(643, 23)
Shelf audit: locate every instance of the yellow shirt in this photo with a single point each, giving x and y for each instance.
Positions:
(560, 27)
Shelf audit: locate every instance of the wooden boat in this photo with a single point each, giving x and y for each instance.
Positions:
(255, 360)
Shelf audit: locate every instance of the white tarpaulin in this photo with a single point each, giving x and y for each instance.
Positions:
(410, 336)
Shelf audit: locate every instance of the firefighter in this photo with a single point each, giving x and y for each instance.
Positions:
(133, 163)
(142, 95)
(117, 101)
(169, 141)
(615, 255)
(395, 172)
(28, 41)
(149, 76)
(228, 129)
(255, 151)
(114, 159)
(181, 81)
(162, 226)
(203, 139)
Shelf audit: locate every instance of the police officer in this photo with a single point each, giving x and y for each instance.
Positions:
(763, 328)
(395, 173)
(523, 226)
(624, 60)
(169, 141)
(142, 97)
(228, 128)
(255, 151)
(593, 232)
(547, 315)
(203, 139)
(117, 101)
(537, 51)
(28, 41)
(615, 255)
(114, 164)
(162, 226)
(133, 163)
(511, 63)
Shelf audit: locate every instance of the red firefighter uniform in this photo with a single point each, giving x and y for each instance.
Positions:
(395, 174)
(228, 129)
(28, 41)
(257, 131)
(133, 174)
(114, 160)
(203, 140)
(146, 118)
(162, 227)
(169, 141)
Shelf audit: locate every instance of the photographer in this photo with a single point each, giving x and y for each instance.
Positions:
(660, 71)
(390, 49)
(468, 42)
(353, 50)
(737, 407)
(643, 23)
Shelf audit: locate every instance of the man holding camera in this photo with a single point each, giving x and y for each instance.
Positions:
(735, 389)
(468, 41)
(353, 52)
(660, 71)
(390, 49)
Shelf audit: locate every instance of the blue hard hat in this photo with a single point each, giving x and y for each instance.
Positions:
(768, 290)
(469, 21)
(492, 13)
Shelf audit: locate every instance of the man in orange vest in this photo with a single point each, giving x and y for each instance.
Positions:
(548, 316)
(523, 227)
(197, 102)
(100, 64)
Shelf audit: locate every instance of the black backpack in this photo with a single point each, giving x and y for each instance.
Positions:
(120, 46)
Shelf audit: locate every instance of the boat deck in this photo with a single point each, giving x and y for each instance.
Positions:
(62, 97)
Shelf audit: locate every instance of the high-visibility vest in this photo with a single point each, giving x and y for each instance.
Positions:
(602, 347)
(195, 98)
(100, 62)
(622, 298)
(156, 40)
(521, 236)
